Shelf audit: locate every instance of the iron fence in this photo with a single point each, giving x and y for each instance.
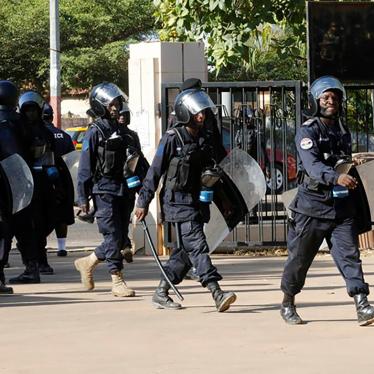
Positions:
(261, 118)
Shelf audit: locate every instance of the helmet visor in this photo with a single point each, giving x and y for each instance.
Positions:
(196, 101)
(106, 93)
(31, 97)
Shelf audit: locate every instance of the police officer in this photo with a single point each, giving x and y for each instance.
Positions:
(63, 145)
(39, 154)
(8, 146)
(182, 156)
(101, 177)
(325, 204)
(212, 136)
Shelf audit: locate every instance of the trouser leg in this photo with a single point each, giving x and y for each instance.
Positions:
(110, 223)
(345, 252)
(194, 244)
(305, 236)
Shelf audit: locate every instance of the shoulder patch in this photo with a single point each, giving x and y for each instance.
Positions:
(306, 143)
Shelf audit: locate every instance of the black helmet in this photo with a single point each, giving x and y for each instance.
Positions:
(103, 94)
(321, 85)
(47, 113)
(191, 102)
(8, 94)
(30, 98)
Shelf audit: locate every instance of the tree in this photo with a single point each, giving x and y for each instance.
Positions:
(94, 39)
(240, 35)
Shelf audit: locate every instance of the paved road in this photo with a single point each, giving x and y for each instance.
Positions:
(55, 327)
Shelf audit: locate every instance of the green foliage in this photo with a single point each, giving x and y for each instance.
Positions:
(241, 35)
(94, 39)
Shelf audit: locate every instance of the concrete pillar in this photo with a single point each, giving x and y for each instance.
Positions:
(150, 65)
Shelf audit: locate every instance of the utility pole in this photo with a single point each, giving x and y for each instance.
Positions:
(55, 68)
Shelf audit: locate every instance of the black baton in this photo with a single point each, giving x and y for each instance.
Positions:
(155, 255)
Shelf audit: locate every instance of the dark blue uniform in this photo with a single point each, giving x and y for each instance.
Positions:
(110, 193)
(63, 142)
(20, 225)
(317, 215)
(181, 205)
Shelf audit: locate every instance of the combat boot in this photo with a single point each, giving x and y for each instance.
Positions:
(119, 286)
(288, 311)
(4, 290)
(30, 275)
(161, 298)
(365, 312)
(86, 266)
(222, 299)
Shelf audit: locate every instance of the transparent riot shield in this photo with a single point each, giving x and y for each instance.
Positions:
(20, 181)
(72, 162)
(241, 191)
(287, 198)
(366, 172)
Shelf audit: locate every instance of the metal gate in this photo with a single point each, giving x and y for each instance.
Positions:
(261, 118)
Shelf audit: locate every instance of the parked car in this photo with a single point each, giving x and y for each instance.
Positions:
(77, 135)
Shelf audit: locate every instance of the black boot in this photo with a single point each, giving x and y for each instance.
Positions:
(222, 299)
(365, 312)
(161, 298)
(288, 311)
(30, 275)
(4, 290)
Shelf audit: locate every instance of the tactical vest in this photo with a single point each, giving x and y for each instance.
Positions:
(185, 168)
(111, 153)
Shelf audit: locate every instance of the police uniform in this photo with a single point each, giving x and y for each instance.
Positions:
(63, 142)
(101, 175)
(181, 158)
(21, 224)
(317, 215)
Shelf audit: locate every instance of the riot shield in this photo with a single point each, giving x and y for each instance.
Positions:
(240, 189)
(72, 162)
(20, 181)
(364, 195)
(287, 197)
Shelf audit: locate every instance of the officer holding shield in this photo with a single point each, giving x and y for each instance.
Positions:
(326, 204)
(103, 176)
(184, 159)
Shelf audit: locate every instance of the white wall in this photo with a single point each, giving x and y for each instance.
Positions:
(150, 65)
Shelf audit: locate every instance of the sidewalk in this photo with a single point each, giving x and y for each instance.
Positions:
(55, 327)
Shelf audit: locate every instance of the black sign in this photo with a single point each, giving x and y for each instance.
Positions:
(341, 40)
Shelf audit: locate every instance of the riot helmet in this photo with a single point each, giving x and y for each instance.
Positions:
(30, 98)
(320, 86)
(190, 102)
(47, 113)
(8, 94)
(103, 94)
